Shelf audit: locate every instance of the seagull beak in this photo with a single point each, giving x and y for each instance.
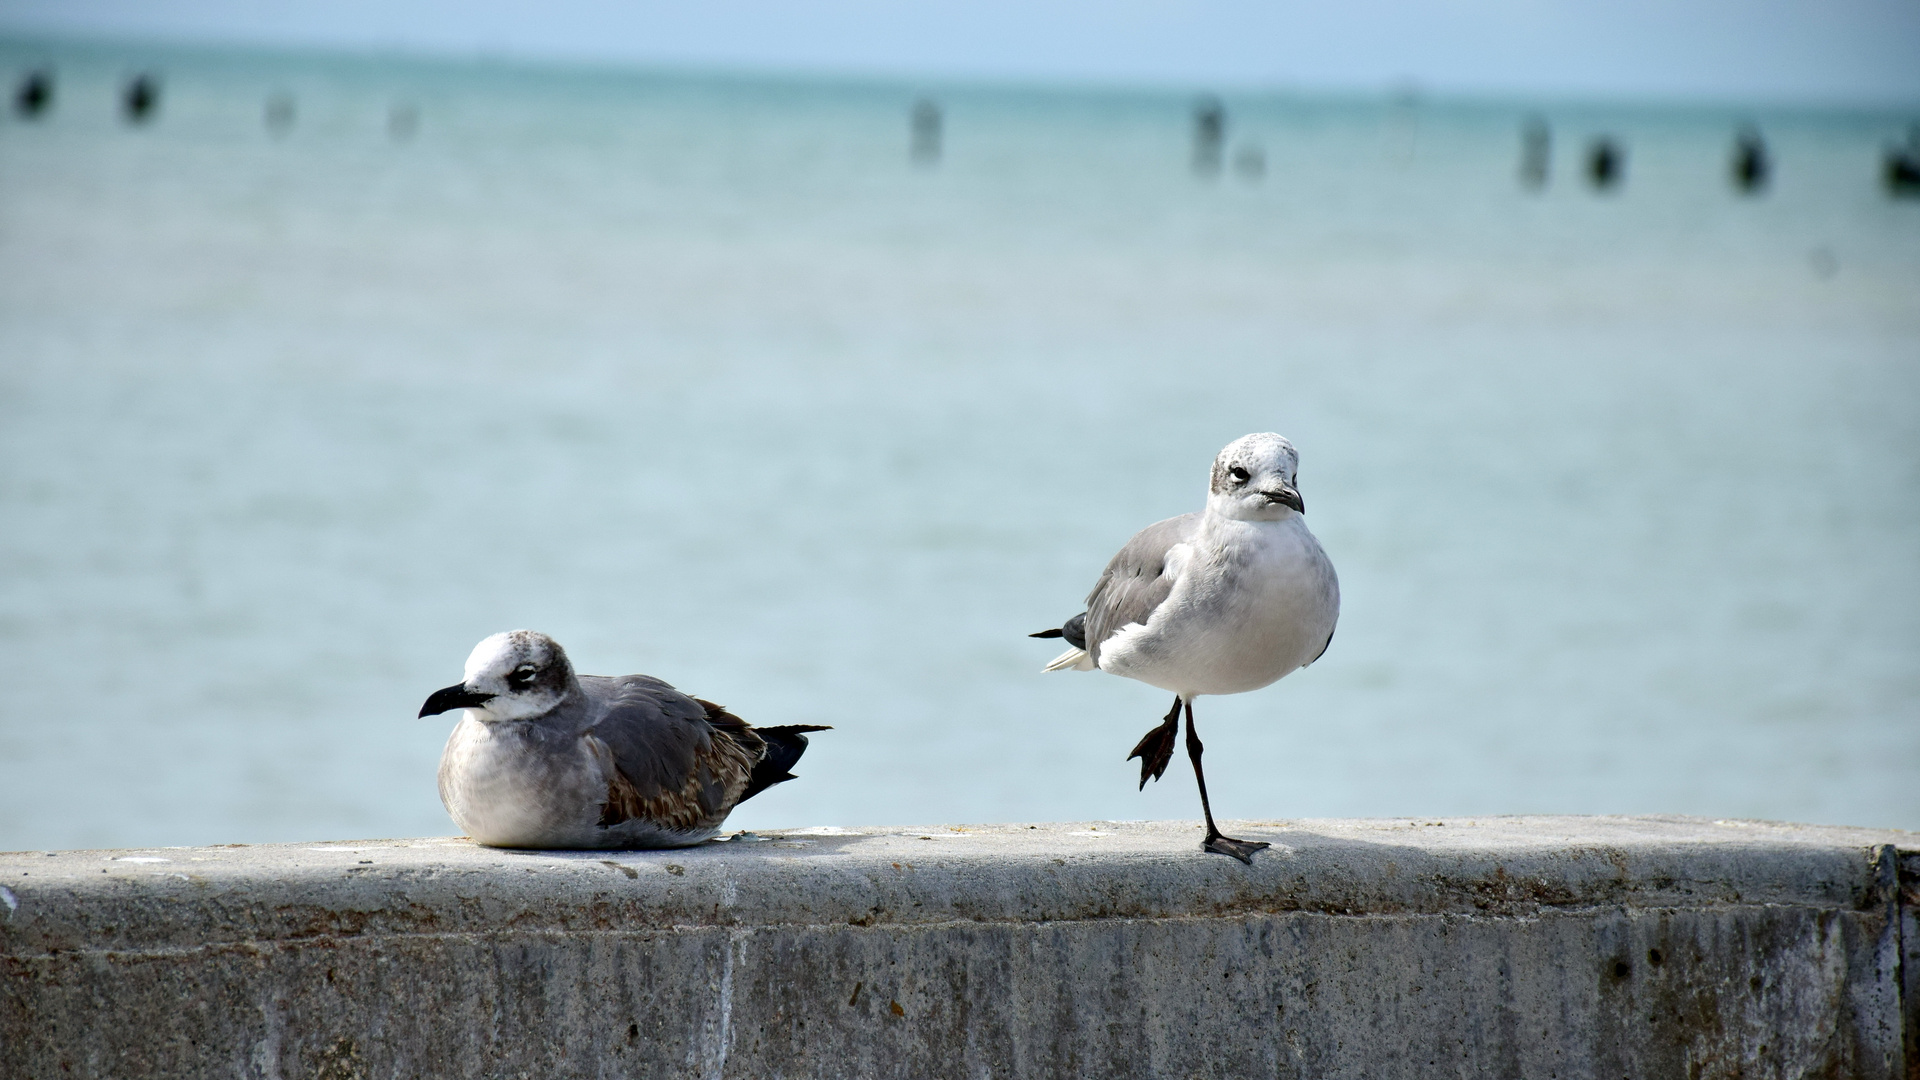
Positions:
(1286, 496)
(453, 697)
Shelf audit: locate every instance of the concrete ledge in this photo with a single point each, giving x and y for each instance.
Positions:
(1563, 947)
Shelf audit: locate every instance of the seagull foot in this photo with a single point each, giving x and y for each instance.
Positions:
(1239, 849)
(1155, 750)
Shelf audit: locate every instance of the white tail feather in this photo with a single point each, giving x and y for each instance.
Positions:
(1072, 659)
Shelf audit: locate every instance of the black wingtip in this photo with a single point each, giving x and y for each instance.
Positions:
(1055, 632)
(785, 744)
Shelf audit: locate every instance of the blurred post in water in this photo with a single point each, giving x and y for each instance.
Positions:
(1751, 165)
(1902, 173)
(279, 113)
(1536, 153)
(1404, 115)
(1209, 136)
(402, 121)
(141, 99)
(35, 95)
(925, 123)
(1606, 164)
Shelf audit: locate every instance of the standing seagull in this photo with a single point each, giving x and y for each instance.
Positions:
(1217, 602)
(545, 758)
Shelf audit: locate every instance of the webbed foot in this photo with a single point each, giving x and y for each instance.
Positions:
(1155, 748)
(1239, 849)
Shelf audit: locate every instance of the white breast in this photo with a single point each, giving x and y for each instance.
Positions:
(1253, 602)
(505, 793)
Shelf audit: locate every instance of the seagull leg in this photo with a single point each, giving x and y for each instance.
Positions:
(1155, 748)
(1215, 841)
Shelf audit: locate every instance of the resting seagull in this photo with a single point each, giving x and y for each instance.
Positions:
(1218, 602)
(545, 758)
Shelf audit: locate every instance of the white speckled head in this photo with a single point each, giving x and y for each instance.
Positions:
(526, 672)
(1254, 479)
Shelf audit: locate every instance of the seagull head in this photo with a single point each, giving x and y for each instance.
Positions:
(1253, 479)
(510, 676)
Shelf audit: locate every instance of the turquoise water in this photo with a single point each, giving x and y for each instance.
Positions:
(701, 376)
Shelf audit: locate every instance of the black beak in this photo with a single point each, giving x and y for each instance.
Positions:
(1286, 496)
(453, 697)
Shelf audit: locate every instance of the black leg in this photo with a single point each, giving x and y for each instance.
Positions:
(1215, 841)
(1155, 748)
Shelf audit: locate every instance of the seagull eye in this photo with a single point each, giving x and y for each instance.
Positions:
(522, 675)
(1239, 474)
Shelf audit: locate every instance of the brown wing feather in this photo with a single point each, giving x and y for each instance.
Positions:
(722, 767)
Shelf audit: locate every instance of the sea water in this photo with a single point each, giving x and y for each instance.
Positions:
(703, 375)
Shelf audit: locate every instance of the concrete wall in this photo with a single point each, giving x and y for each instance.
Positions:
(1509, 947)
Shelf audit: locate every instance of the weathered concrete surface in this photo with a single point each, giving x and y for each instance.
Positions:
(1503, 947)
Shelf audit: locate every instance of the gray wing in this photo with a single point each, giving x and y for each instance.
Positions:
(678, 759)
(1135, 582)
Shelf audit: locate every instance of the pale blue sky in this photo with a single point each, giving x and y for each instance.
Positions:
(1738, 50)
